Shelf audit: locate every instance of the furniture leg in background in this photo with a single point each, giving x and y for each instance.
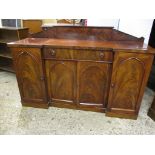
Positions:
(151, 112)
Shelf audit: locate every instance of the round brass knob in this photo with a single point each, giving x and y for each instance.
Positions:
(101, 54)
(52, 52)
(41, 78)
(112, 85)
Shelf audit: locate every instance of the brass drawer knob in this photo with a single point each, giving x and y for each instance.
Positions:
(112, 85)
(42, 78)
(52, 52)
(101, 55)
(24, 52)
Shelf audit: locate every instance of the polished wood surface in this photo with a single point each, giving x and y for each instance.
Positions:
(29, 71)
(84, 44)
(88, 68)
(76, 32)
(86, 33)
(93, 76)
(129, 77)
(73, 54)
(61, 79)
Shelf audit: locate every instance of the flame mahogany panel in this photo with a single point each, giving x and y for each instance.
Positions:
(129, 77)
(93, 83)
(61, 79)
(30, 76)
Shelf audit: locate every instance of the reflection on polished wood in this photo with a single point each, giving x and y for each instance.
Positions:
(89, 68)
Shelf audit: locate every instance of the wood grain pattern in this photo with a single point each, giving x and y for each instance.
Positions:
(78, 32)
(28, 66)
(85, 33)
(61, 77)
(70, 54)
(133, 46)
(128, 80)
(121, 36)
(93, 83)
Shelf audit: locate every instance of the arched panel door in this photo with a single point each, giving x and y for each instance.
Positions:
(93, 82)
(129, 76)
(61, 78)
(29, 72)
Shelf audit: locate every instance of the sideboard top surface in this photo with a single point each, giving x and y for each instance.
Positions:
(65, 43)
(85, 38)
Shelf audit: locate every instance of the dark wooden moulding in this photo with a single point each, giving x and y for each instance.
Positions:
(151, 112)
(89, 68)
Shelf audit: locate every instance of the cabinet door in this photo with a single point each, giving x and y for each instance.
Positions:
(61, 79)
(93, 82)
(29, 72)
(129, 78)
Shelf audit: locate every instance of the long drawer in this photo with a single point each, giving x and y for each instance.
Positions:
(70, 54)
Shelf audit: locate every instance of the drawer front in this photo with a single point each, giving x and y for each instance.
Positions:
(69, 54)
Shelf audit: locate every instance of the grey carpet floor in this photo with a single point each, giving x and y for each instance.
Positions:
(15, 119)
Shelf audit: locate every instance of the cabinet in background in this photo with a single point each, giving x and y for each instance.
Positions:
(9, 34)
(34, 25)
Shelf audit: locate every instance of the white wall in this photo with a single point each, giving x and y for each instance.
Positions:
(138, 28)
(0, 22)
(103, 22)
(135, 27)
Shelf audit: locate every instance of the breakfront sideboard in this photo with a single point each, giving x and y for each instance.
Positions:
(89, 68)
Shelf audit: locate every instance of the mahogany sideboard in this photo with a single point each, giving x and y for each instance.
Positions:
(90, 68)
